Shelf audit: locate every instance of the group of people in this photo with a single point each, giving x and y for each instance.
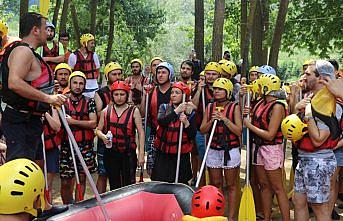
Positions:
(146, 116)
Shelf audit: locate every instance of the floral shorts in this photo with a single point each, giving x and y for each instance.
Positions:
(215, 159)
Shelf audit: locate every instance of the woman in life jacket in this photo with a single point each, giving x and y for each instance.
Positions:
(170, 117)
(122, 120)
(267, 139)
(224, 153)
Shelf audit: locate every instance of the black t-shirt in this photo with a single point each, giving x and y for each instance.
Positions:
(161, 99)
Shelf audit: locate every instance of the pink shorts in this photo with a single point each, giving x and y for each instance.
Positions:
(270, 156)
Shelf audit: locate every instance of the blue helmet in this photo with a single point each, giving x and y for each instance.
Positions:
(169, 67)
(266, 69)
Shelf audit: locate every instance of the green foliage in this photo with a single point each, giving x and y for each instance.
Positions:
(315, 25)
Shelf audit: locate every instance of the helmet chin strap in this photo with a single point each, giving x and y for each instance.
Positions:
(220, 100)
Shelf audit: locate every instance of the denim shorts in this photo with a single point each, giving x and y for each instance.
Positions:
(100, 157)
(312, 177)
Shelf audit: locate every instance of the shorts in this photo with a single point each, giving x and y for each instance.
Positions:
(52, 160)
(312, 177)
(100, 157)
(215, 159)
(271, 157)
(339, 156)
(200, 142)
(23, 134)
(66, 160)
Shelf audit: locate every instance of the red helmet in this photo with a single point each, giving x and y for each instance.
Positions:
(183, 87)
(120, 85)
(208, 201)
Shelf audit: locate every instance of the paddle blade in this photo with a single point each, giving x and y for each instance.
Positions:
(44, 7)
(247, 206)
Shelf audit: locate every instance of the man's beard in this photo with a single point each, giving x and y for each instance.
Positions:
(50, 38)
(76, 94)
(136, 72)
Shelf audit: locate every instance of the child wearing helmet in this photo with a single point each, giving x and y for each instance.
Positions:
(170, 118)
(224, 153)
(267, 139)
(122, 120)
(157, 95)
(87, 61)
(22, 191)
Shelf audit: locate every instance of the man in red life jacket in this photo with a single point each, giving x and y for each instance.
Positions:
(81, 116)
(317, 162)
(157, 95)
(113, 72)
(52, 51)
(87, 61)
(137, 81)
(27, 89)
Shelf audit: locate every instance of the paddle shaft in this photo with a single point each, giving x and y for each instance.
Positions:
(45, 169)
(248, 145)
(146, 112)
(84, 166)
(179, 146)
(206, 153)
(203, 107)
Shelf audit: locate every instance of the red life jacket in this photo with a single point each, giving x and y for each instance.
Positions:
(105, 96)
(54, 52)
(86, 65)
(223, 137)
(341, 120)
(208, 99)
(167, 138)
(79, 112)
(306, 144)
(153, 109)
(52, 139)
(44, 83)
(261, 119)
(122, 127)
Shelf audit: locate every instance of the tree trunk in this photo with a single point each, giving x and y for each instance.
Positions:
(218, 25)
(244, 20)
(75, 24)
(265, 10)
(279, 28)
(257, 36)
(93, 5)
(24, 7)
(110, 32)
(56, 11)
(245, 64)
(64, 16)
(199, 30)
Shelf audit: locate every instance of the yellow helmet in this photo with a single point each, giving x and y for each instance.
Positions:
(307, 62)
(229, 67)
(254, 68)
(213, 66)
(269, 83)
(293, 128)
(77, 74)
(156, 58)
(222, 61)
(21, 184)
(139, 61)
(3, 27)
(85, 38)
(225, 84)
(202, 73)
(111, 67)
(63, 66)
(255, 89)
(286, 89)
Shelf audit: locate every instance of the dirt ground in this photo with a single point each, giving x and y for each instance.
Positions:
(276, 213)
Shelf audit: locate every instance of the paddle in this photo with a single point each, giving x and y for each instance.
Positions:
(46, 191)
(147, 89)
(78, 184)
(207, 149)
(247, 205)
(84, 166)
(203, 107)
(179, 146)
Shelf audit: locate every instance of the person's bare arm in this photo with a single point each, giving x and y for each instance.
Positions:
(98, 102)
(318, 137)
(58, 59)
(20, 62)
(53, 120)
(86, 124)
(141, 136)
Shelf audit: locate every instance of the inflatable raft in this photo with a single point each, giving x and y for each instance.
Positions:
(150, 201)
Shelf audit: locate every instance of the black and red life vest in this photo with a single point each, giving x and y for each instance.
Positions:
(86, 65)
(208, 99)
(105, 96)
(79, 112)
(223, 137)
(122, 128)
(54, 52)
(44, 83)
(167, 138)
(153, 109)
(52, 139)
(261, 119)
